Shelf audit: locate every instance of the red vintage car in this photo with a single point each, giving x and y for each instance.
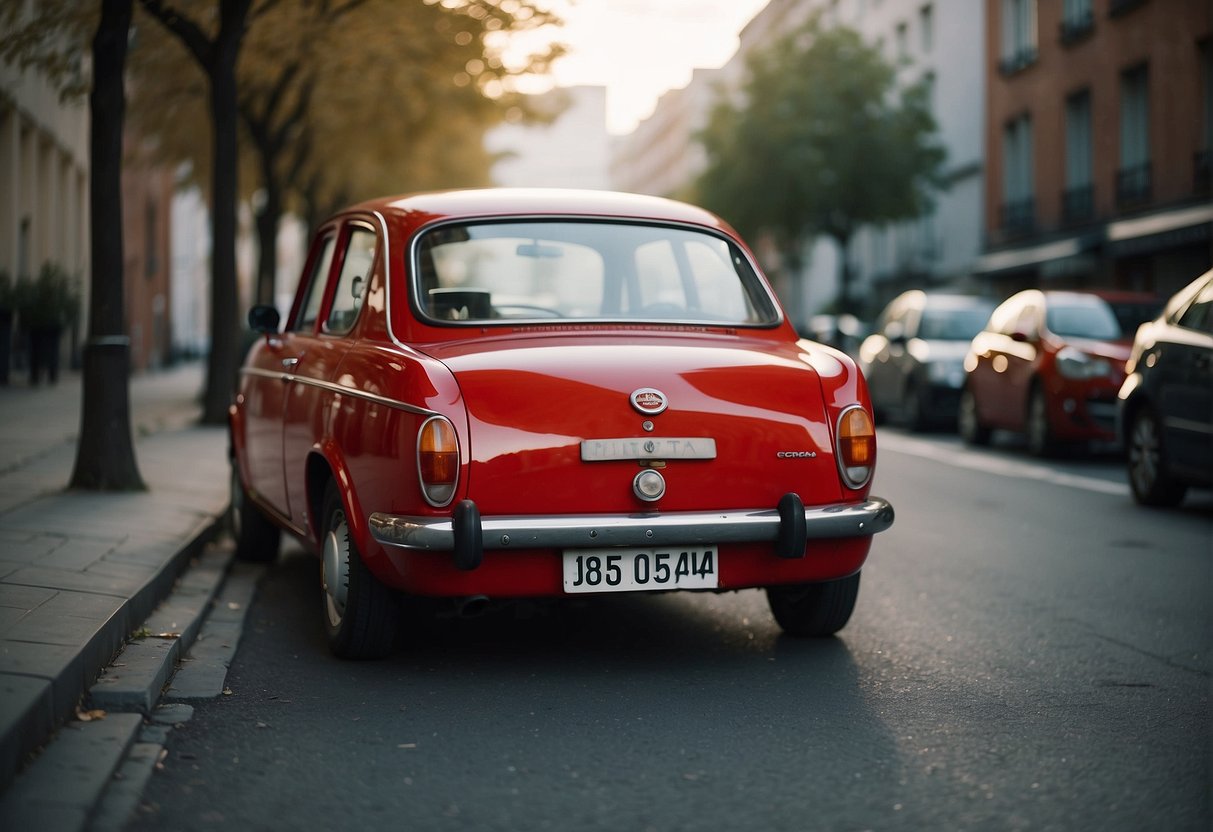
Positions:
(509, 394)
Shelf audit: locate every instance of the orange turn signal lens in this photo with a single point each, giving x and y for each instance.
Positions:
(437, 460)
(856, 446)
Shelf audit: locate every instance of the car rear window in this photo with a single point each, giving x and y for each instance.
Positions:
(545, 270)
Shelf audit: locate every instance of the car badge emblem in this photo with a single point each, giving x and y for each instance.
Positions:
(648, 401)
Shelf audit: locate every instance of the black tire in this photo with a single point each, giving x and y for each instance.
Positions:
(915, 408)
(257, 538)
(814, 610)
(968, 423)
(1146, 462)
(1041, 441)
(361, 615)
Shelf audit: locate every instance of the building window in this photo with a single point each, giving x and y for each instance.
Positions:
(928, 91)
(151, 260)
(1077, 199)
(903, 42)
(1019, 202)
(1116, 7)
(1133, 177)
(1018, 35)
(926, 28)
(1077, 20)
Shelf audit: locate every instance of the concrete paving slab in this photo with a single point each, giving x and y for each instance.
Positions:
(71, 775)
(79, 570)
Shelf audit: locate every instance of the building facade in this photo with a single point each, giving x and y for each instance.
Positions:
(1098, 140)
(571, 151)
(938, 42)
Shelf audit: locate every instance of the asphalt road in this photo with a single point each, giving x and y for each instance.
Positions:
(1030, 651)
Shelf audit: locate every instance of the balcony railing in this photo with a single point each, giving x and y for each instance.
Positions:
(1133, 185)
(1077, 204)
(1019, 216)
(1074, 29)
(1020, 59)
(1202, 172)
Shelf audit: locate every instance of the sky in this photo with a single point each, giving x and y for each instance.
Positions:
(639, 49)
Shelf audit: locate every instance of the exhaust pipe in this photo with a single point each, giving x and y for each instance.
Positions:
(471, 606)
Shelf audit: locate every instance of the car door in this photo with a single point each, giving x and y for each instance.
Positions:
(1187, 390)
(321, 343)
(889, 341)
(268, 380)
(1020, 357)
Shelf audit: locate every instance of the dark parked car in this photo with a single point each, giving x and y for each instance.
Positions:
(1049, 364)
(914, 361)
(1166, 402)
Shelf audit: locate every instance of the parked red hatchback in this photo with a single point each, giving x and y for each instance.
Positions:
(515, 393)
(1049, 365)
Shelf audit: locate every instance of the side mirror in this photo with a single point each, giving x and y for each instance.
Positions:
(263, 319)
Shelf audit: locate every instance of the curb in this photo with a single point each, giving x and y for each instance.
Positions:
(46, 709)
(91, 773)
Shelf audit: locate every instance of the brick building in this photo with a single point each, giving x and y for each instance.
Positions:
(1098, 133)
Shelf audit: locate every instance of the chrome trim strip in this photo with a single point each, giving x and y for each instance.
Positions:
(654, 529)
(341, 390)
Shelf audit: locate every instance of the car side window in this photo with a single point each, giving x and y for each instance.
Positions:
(1199, 315)
(352, 282)
(316, 281)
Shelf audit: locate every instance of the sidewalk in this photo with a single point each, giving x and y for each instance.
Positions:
(79, 571)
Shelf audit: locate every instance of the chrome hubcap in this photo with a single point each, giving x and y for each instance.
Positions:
(335, 569)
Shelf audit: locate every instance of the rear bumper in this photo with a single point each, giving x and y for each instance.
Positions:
(790, 526)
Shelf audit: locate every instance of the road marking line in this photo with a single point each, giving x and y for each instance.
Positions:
(963, 458)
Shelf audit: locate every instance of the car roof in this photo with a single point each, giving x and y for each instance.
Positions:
(537, 202)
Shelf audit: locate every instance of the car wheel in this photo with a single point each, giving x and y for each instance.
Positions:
(1040, 432)
(257, 539)
(968, 423)
(1145, 458)
(360, 613)
(817, 609)
(915, 407)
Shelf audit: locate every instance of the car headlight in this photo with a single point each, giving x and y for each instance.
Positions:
(856, 446)
(1076, 364)
(437, 460)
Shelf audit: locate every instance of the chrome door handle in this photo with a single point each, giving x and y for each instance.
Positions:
(289, 363)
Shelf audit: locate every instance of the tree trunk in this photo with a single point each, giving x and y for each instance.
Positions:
(105, 454)
(224, 360)
(269, 217)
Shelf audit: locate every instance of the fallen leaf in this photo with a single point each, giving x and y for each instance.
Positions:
(142, 632)
(89, 716)
(227, 691)
(232, 605)
(168, 635)
(262, 725)
(407, 745)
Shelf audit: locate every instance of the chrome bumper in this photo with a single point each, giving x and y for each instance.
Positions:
(469, 533)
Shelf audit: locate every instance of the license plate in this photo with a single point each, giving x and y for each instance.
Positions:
(637, 570)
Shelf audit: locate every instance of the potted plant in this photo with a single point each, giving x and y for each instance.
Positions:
(45, 305)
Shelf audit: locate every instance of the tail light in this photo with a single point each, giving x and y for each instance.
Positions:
(856, 446)
(437, 460)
